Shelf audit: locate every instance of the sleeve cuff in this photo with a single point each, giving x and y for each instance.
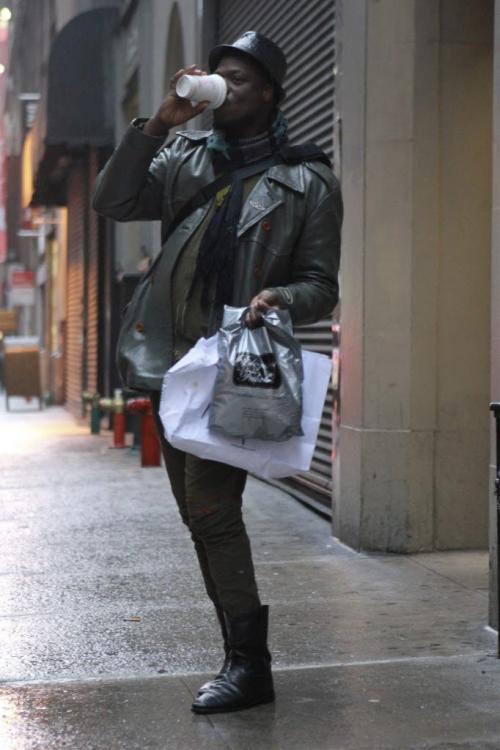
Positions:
(285, 295)
(135, 135)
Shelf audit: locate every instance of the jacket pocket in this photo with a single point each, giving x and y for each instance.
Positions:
(258, 216)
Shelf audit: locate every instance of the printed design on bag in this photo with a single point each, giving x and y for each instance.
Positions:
(256, 370)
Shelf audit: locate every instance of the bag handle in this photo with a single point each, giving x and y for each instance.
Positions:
(266, 323)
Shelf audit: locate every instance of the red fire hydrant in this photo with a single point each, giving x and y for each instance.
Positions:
(150, 445)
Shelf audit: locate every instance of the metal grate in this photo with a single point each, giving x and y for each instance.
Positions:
(306, 33)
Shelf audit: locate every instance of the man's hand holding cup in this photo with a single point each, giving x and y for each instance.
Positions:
(174, 110)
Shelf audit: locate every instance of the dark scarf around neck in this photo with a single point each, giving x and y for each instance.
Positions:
(216, 256)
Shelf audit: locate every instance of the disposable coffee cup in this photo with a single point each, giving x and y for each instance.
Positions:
(198, 89)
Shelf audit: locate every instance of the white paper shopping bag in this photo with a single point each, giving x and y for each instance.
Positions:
(185, 401)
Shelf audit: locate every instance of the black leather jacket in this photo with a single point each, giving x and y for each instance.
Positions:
(289, 229)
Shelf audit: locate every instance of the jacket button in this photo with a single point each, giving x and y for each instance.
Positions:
(266, 225)
(139, 327)
(258, 271)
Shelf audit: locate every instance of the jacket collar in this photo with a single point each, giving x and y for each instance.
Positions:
(291, 176)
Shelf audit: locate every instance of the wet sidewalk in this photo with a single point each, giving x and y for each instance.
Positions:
(106, 631)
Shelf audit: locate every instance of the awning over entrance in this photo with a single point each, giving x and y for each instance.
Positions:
(76, 111)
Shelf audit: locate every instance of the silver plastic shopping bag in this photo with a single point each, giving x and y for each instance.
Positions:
(258, 389)
(186, 396)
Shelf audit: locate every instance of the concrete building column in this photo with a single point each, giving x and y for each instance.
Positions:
(414, 98)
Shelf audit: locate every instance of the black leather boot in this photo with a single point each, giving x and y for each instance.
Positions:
(247, 680)
(222, 671)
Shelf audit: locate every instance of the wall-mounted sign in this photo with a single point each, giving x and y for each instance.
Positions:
(22, 296)
(21, 278)
(21, 287)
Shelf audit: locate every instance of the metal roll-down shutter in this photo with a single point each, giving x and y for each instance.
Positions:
(306, 33)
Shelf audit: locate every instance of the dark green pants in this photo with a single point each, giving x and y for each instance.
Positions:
(209, 497)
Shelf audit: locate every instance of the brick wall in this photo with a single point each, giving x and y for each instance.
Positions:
(75, 327)
(83, 293)
(92, 286)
